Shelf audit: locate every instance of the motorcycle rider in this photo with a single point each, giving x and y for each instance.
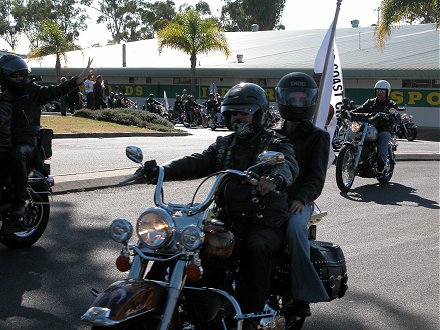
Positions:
(27, 99)
(381, 103)
(255, 214)
(213, 110)
(189, 105)
(296, 95)
(178, 108)
(5, 135)
(152, 105)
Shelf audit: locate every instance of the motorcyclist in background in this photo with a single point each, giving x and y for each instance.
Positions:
(152, 105)
(212, 107)
(256, 214)
(296, 94)
(178, 107)
(27, 99)
(189, 105)
(384, 125)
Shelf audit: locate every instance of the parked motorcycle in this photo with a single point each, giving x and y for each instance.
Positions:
(21, 234)
(358, 156)
(183, 238)
(405, 127)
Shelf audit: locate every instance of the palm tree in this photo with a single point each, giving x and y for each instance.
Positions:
(191, 34)
(394, 11)
(52, 41)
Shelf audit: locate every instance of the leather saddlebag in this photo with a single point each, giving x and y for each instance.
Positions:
(46, 136)
(329, 262)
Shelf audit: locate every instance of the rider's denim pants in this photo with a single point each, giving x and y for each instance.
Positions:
(382, 144)
(306, 284)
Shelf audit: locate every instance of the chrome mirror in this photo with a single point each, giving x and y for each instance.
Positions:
(134, 154)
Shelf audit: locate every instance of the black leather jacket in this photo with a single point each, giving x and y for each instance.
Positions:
(372, 107)
(312, 146)
(239, 202)
(26, 109)
(5, 124)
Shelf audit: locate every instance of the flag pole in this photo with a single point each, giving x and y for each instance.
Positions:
(327, 58)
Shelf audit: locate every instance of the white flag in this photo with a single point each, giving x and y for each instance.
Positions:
(165, 100)
(332, 93)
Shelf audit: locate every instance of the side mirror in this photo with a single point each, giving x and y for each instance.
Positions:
(134, 154)
(270, 158)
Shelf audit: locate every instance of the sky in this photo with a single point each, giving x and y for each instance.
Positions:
(297, 15)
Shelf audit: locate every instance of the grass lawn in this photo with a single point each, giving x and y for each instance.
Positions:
(84, 125)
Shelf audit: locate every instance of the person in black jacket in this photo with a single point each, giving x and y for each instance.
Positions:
(27, 100)
(5, 135)
(380, 104)
(256, 214)
(296, 94)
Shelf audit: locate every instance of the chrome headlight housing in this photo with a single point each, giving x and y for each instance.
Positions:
(192, 237)
(155, 228)
(121, 230)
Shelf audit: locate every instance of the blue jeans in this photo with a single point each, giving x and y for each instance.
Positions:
(306, 284)
(382, 144)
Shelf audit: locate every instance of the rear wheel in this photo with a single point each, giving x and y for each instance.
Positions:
(345, 171)
(35, 218)
(411, 133)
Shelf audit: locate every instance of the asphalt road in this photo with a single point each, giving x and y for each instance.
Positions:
(389, 234)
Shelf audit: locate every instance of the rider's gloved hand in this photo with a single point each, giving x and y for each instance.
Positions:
(270, 183)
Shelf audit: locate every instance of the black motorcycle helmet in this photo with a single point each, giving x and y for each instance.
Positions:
(249, 98)
(11, 65)
(296, 109)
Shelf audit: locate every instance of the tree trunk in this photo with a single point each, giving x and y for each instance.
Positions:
(193, 74)
(58, 68)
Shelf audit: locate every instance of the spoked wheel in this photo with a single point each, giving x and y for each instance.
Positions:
(345, 171)
(411, 133)
(387, 174)
(35, 219)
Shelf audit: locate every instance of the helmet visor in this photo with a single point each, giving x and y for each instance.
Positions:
(245, 108)
(296, 97)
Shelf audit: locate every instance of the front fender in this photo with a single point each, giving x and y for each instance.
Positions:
(124, 300)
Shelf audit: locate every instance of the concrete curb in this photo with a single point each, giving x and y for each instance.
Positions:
(77, 182)
(116, 134)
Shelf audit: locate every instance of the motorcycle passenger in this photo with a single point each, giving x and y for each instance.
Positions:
(152, 105)
(256, 214)
(27, 99)
(380, 104)
(296, 95)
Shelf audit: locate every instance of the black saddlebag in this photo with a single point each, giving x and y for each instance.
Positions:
(45, 141)
(329, 262)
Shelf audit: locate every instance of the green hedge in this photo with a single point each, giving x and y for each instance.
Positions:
(129, 117)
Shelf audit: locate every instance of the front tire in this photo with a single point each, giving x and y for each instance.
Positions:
(345, 171)
(411, 133)
(386, 176)
(36, 218)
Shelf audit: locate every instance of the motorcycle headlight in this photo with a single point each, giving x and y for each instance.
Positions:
(121, 230)
(154, 228)
(192, 237)
(355, 127)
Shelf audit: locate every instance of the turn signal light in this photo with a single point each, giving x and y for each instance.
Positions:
(123, 263)
(193, 272)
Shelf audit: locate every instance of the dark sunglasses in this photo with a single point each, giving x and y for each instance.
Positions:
(239, 113)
